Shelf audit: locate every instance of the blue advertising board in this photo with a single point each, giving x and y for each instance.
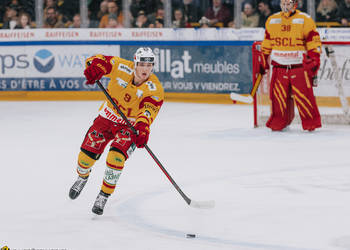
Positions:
(182, 67)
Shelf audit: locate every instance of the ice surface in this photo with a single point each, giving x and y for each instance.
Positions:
(273, 190)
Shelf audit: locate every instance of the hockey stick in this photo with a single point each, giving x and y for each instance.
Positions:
(249, 98)
(192, 203)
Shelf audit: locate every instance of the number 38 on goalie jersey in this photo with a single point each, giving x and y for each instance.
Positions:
(139, 103)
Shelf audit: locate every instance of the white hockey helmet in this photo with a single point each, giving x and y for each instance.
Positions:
(144, 54)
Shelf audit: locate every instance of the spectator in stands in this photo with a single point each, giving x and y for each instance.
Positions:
(204, 22)
(192, 13)
(76, 22)
(10, 18)
(275, 5)
(113, 21)
(141, 21)
(148, 7)
(218, 14)
(29, 7)
(159, 13)
(265, 11)
(302, 6)
(15, 4)
(179, 19)
(52, 19)
(113, 8)
(159, 23)
(103, 9)
(326, 11)
(67, 9)
(49, 4)
(24, 21)
(250, 18)
(343, 13)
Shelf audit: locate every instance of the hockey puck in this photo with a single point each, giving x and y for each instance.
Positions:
(190, 236)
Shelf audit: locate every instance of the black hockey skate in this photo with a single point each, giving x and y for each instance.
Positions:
(77, 187)
(100, 203)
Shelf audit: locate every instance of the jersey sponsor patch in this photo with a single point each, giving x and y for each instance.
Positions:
(139, 93)
(298, 20)
(151, 86)
(287, 57)
(275, 20)
(155, 98)
(108, 113)
(122, 83)
(124, 68)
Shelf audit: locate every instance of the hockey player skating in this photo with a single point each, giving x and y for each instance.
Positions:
(139, 95)
(294, 47)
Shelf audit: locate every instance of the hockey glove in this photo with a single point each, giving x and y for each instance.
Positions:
(311, 63)
(96, 70)
(263, 63)
(141, 138)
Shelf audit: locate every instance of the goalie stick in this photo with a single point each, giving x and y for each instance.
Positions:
(249, 98)
(190, 202)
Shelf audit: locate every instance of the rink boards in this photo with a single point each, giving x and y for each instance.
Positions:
(49, 65)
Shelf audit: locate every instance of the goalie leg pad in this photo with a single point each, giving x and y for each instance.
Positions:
(114, 166)
(281, 115)
(84, 164)
(305, 100)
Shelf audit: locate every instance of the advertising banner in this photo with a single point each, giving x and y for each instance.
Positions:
(190, 69)
(48, 68)
(201, 69)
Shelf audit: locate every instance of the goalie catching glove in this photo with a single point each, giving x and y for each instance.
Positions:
(141, 138)
(96, 69)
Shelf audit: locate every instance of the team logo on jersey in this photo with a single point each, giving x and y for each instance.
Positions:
(95, 140)
(122, 137)
(124, 68)
(44, 61)
(139, 93)
(275, 20)
(122, 83)
(298, 20)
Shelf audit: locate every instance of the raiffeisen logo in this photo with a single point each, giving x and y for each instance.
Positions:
(44, 61)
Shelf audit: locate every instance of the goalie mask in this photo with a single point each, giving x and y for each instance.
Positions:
(289, 6)
(144, 54)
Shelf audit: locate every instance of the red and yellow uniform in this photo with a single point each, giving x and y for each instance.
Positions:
(289, 37)
(140, 104)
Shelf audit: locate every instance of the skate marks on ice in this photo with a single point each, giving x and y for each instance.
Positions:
(130, 211)
(342, 242)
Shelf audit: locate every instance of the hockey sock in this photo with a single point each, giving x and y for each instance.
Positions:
(115, 165)
(84, 164)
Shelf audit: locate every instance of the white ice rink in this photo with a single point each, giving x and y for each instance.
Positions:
(273, 191)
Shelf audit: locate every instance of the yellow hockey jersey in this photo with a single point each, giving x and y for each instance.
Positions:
(139, 103)
(288, 37)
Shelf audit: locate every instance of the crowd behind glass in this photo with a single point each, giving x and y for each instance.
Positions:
(20, 14)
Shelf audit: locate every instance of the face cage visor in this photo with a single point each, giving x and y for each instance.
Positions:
(147, 59)
(288, 6)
